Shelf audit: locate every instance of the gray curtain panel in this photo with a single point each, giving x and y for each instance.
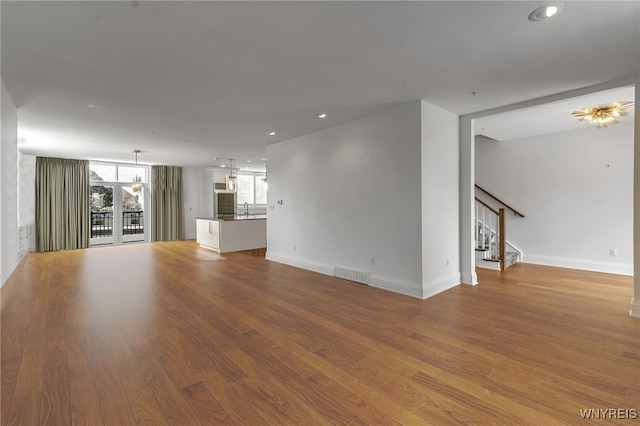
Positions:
(166, 203)
(62, 204)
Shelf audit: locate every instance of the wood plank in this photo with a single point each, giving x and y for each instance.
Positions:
(205, 405)
(170, 333)
(114, 403)
(171, 400)
(56, 401)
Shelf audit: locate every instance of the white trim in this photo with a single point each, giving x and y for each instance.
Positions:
(434, 287)
(469, 278)
(584, 264)
(406, 288)
(299, 263)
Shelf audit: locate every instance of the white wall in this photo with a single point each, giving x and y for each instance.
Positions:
(351, 193)
(576, 191)
(8, 186)
(198, 196)
(440, 200)
(353, 196)
(27, 202)
(190, 200)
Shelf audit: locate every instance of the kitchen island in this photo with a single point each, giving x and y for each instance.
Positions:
(227, 233)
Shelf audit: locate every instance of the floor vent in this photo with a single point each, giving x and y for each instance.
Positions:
(361, 277)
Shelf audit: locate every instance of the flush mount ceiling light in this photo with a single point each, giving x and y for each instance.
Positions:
(545, 12)
(604, 115)
(323, 115)
(271, 133)
(136, 185)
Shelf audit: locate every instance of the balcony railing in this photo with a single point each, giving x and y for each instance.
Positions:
(102, 223)
(132, 222)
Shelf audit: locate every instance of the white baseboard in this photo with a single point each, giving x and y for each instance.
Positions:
(584, 264)
(487, 264)
(439, 285)
(394, 285)
(469, 278)
(300, 263)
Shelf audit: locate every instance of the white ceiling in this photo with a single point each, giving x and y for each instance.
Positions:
(186, 82)
(550, 117)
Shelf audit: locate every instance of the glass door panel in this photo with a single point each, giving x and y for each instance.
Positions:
(101, 215)
(132, 214)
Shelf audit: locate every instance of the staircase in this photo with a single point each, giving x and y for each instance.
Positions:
(492, 249)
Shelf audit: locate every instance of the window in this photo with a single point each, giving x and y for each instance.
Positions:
(129, 174)
(103, 172)
(261, 190)
(245, 189)
(252, 189)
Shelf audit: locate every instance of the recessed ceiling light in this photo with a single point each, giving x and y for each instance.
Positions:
(323, 115)
(249, 161)
(545, 12)
(263, 159)
(271, 133)
(223, 165)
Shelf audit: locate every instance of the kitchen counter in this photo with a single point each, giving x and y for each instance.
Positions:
(227, 233)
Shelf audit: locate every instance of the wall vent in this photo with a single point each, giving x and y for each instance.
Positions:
(361, 277)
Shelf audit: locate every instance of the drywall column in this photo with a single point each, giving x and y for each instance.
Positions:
(467, 193)
(635, 303)
(8, 186)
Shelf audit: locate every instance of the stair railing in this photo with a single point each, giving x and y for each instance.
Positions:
(491, 232)
(515, 212)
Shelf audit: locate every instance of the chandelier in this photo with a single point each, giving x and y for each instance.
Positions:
(604, 115)
(136, 185)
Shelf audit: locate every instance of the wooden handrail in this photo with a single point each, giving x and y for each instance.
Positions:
(487, 206)
(515, 212)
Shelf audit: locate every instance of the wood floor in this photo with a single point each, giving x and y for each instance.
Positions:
(169, 333)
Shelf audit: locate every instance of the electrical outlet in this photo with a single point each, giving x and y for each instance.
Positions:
(372, 261)
(446, 262)
(294, 247)
(613, 252)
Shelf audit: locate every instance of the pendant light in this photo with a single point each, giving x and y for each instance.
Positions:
(136, 185)
(264, 179)
(231, 180)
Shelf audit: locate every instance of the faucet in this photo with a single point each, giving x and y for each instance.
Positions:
(246, 208)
